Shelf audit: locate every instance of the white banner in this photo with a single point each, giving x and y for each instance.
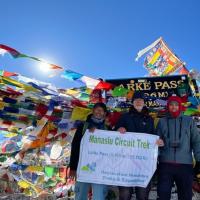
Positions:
(111, 158)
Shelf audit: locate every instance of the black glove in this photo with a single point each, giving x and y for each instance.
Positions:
(197, 169)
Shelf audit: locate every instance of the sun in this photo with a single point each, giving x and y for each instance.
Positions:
(45, 67)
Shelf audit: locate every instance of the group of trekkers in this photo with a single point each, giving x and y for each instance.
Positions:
(179, 142)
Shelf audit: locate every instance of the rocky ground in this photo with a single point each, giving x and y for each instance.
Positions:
(152, 196)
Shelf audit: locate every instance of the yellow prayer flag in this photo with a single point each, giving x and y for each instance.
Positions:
(80, 113)
(34, 169)
(197, 94)
(72, 92)
(168, 69)
(9, 135)
(28, 192)
(18, 84)
(41, 122)
(23, 184)
(2, 104)
(155, 57)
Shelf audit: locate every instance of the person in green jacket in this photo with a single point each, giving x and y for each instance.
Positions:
(94, 121)
(181, 140)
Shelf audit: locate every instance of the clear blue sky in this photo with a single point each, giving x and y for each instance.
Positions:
(98, 38)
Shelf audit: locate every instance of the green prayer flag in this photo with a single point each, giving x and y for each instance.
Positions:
(49, 171)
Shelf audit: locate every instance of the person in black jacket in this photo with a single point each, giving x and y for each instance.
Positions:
(136, 120)
(94, 121)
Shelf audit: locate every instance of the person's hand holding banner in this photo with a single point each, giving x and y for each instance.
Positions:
(122, 130)
(92, 130)
(160, 142)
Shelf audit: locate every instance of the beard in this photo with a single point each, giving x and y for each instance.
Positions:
(139, 108)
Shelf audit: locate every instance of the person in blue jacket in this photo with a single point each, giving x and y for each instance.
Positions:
(181, 139)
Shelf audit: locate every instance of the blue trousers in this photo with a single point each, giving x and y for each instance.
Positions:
(81, 191)
(181, 174)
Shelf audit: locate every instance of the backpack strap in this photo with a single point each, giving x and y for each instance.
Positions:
(105, 127)
(85, 127)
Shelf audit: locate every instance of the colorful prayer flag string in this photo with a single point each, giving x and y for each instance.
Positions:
(16, 54)
(67, 74)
